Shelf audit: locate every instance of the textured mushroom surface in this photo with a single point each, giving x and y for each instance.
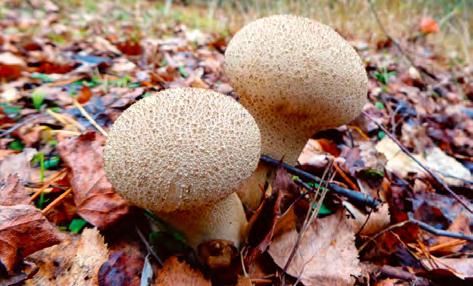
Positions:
(223, 220)
(181, 148)
(296, 76)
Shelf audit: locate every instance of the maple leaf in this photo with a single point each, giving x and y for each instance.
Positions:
(24, 230)
(94, 196)
(175, 272)
(326, 254)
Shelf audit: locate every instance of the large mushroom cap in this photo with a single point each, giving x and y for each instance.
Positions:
(181, 148)
(298, 68)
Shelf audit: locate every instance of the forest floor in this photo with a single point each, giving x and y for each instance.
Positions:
(65, 77)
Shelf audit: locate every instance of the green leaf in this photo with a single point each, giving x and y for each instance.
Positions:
(56, 109)
(183, 71)
(381, 135)
(16, 145)
(43, 77)
(379, 105)
(324, 210)
(10, 110)
(39, 158)
(52, 162)
(37, 97)
(372, 173)
(76, 225)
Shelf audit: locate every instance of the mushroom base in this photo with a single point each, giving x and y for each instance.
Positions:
(224, 220)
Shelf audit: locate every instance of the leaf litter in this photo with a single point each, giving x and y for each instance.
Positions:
(60, 88)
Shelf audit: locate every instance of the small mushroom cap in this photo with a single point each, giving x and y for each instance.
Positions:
(181, 148)
(298, 68)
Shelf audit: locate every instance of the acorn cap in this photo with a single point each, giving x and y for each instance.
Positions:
(181, 148)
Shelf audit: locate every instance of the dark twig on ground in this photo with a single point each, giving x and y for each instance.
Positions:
(10, 130)
(439, 232)
(149, 247)
(436, 178)
(354, 196)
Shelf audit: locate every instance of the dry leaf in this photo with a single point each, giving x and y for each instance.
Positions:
(452, 171)
(369, 224)
(23, 231)
(451, 245)
(18, 164)
(12, 192)
(75, 261)
(175, 272)
(93, 194)
(326, 254)
(460, 267)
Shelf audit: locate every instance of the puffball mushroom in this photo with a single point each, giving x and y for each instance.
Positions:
(296, 76)
(181, 153)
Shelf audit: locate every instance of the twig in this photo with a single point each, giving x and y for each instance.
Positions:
(148, 247)
(307, 221)
(56, 201)
(437, 179)
(19, 124)
(51, 180)
(439, 232)
(354, 196)
(391, 227)
(88, 117)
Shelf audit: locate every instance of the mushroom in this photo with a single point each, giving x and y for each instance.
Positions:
(296, 76)
(182, 153)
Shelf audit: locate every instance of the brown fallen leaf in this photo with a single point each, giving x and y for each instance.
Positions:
(451, 171)
(459, 267)
(369, 224)
(121, 268)
(326, 254)
(12, 192)
(94, 196)
(175, 272)
(23, 231)
(447, 245)
(75, 261)
(18, 164)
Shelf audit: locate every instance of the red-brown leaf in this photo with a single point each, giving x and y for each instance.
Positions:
(12, 192)
(23, 231)
(94, 196)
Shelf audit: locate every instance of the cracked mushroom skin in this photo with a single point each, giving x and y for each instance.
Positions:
(181, 153)
(296, 76)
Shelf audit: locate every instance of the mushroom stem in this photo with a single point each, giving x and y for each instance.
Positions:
(223, 220)
(279, 141)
